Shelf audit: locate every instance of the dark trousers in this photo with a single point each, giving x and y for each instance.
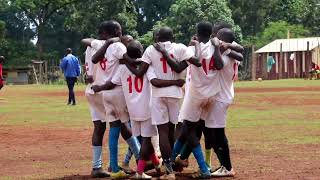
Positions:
(70, 82)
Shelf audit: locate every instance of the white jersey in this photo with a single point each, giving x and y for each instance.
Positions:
(188, 79)
(204, 81)
(94, 70)
(136, 91)
(113, 54)
(163, 71)
(226, 77)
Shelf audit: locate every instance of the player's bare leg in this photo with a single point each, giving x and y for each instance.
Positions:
(166, 150)
(221, 148)
(189, 135)
(97, 139)
(182, 159)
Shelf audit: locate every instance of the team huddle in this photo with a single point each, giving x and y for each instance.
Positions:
(161, 99)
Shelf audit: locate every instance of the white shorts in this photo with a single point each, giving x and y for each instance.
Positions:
(143, 128)
(180, 120)
(217, 117)
(194, 109)
(164, 110)
(96, 107)
(115, 105)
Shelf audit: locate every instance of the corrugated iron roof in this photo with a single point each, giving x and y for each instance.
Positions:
(291, 45)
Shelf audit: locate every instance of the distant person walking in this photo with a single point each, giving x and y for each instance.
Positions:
(1, 76)
(71, 69)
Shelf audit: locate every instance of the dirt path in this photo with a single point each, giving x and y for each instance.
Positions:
(41, 152)
(52, 152)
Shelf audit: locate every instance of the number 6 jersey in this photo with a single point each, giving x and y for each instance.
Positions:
(94, 70)
(136, 91)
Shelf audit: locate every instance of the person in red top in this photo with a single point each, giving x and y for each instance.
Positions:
(1, 77)
(315, 71)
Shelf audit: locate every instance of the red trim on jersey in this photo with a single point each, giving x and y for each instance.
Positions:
(235, 67)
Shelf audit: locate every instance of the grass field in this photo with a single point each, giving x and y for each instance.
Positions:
(273, 129)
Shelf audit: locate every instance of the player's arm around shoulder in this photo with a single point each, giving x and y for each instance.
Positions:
(87, 41)
(99, 55)
(235, 50)
(174, 63)
(236, 55)
(160, 83)
(218, 61)
(115, 81)
(142, 68)
(196, 50)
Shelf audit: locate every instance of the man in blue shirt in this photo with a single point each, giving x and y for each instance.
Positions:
(71, 69)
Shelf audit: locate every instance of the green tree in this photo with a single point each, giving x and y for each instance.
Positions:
(279, 30)
(185, 14)
(92, 14)
(251, 16)
(15, 52)
(39, 14)
(151, 11)
(306, 12)
(17, 25)
(59, 37)
(2, 29)
(3, 42)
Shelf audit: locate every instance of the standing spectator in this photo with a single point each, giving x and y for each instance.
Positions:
(71, 69)
(1, 77)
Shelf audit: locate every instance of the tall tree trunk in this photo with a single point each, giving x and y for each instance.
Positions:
(40, 42)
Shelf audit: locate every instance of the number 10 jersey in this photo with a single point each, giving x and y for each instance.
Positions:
(136, 91)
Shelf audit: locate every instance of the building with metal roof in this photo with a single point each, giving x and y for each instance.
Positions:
(293, 58)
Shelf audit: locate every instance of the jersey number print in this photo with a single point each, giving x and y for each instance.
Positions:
(103, 64)
(164, 63)
(211, 65)
(138, 84)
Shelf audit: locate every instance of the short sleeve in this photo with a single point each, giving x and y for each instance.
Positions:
(120, 50)
(88, 62)
(116, 79)
(95, 44)
(146, 57)
(192, 49)
(184, 53)
(150, 73)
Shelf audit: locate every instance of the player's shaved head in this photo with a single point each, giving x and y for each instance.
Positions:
(126, 39)
(165, 34)
(220, 25)
(135, 49)
(112, 28)
(69, 51)
(226, 35)
(204, 29)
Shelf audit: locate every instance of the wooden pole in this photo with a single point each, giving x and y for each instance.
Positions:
(308, 63)
(280, 62)
(253, 64)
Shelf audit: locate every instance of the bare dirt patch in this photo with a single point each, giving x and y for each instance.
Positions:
(266, 90)
(66, 154)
